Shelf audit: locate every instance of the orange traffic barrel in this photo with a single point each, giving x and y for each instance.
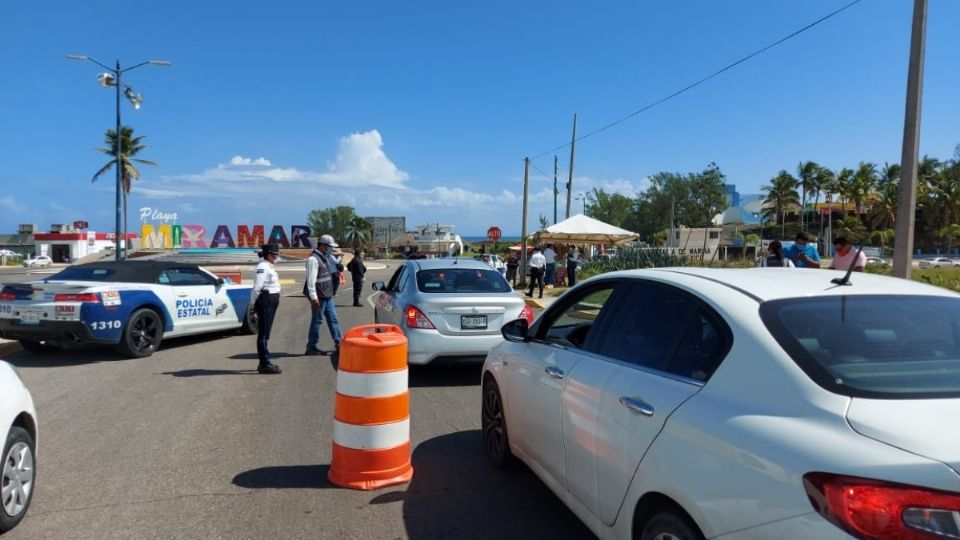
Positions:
(371, 425)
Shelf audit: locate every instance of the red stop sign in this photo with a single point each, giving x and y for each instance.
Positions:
(493, 233)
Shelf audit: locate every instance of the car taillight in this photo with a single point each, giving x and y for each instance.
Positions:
(416, 319)
(82, 297)
(7, 296)
(873, 509)
(527, 313)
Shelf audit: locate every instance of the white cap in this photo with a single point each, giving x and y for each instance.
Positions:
(327, 239)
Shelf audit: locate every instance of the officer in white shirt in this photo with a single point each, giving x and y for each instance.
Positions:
(264, 299)
(537, 265)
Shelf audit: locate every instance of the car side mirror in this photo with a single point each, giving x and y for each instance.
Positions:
(378, 285)
(517, 331)
(220, 281)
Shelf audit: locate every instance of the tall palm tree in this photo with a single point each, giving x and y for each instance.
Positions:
(841, 185)
(130, 146)
(781, 197)
(823, 181)
(358, 232)
(862, 185)
(806, 173)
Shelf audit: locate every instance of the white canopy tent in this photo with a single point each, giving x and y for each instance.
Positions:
(580, 229)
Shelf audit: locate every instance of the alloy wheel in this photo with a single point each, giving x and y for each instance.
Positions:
(145, 332)
(493, 422)
(17, 481)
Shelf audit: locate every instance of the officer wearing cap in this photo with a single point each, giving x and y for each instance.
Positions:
(320, 288)
(264, 299)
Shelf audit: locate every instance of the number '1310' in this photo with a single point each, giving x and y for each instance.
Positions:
(105, 325)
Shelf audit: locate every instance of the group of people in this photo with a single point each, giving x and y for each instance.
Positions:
(543, 264)
(802, 254)
(324, 274)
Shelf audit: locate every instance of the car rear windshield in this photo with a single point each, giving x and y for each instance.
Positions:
(84, 273)
(895, 347)
(461, 280)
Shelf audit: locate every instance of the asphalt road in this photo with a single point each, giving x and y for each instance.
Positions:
(193, 443)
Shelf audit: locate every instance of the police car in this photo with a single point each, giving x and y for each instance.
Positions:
(129, 304)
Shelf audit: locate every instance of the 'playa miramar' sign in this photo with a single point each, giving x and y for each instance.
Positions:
(160, 230)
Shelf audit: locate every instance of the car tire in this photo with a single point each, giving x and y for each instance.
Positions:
(141, 334)
(40, 347)
(670, 526)
(19, 470)
(493, 423)
(249, 325)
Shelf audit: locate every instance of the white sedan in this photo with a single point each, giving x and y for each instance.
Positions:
(449, 309)
(692, 403)
(18, 427)
(41, 261)
(938, 262)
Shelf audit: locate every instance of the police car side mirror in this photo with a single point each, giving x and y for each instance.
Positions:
(220, 281)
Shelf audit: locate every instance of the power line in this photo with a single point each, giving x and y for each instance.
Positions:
(703, 80)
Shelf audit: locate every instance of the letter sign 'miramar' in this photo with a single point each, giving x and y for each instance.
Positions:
(278, 236)
(301, 236)
(245, 239)
(222, 238)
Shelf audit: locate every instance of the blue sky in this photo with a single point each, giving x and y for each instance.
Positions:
(426, 109)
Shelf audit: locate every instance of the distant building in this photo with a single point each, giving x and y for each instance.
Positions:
(436, 238)
(694, 241)
(385, 230)
(733, 197)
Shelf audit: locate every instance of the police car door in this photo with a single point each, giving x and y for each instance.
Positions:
(196, 300)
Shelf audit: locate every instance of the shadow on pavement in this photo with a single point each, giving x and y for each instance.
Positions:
(206, 372)
(253, 356)
(288, 477)
(445, 375)
(455, 493)
(66, 357)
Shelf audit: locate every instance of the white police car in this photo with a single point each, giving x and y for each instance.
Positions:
(131, 304)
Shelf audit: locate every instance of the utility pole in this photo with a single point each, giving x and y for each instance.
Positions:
(523, 226)
(555, 190)
(907, 205)
(573, 146)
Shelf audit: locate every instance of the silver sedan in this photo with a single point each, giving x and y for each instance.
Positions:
(449, 309)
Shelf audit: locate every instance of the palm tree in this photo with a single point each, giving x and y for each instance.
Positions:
(862, 184)
(824, 181)
(130, 146)
(807, 173)
(851, 228)
(841, 185)
(781, 197)
(357, 232)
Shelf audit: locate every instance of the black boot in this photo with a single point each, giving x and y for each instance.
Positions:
(269, 369)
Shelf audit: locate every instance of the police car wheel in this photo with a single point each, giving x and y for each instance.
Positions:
(249, 325)
(141, 335)
(40, 347)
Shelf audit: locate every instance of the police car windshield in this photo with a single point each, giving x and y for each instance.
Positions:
(84, 273)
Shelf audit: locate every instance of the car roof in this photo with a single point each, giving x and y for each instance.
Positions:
(764, 284)
(431, 264)
(133, 271)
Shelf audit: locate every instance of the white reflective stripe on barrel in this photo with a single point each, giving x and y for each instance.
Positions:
(390, 383)
(371, 437)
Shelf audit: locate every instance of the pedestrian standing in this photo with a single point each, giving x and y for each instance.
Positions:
(264, 300)
(573, 259)
(775, 257)
(551, 257)
(845, 256)
(357, 270)
(512, 264)
(320, 288)
(802, 253)
(537, 267)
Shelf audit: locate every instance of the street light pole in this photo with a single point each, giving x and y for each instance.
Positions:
(136, 100)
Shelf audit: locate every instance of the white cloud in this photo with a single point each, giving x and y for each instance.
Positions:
(240, 160)
(10, 204)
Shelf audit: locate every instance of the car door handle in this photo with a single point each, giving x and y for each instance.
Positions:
(556, 373)
(183, 295)
(637, 405)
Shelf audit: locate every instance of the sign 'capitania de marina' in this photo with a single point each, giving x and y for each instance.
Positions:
(159, 230)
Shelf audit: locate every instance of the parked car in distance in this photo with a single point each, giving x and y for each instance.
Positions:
(40, 261)
(691, 403)
(449, 309)
(878, 261)
(495, 262)
(18, 433)
(938, 262)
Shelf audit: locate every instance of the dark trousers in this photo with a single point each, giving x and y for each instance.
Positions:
(266, 307)
(548, 278)
(512, 275)
(536, 278)
(571, 274)
(357, 289)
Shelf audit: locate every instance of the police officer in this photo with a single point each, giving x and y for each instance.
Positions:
(357, 270)
(320, 289)
(264, 299)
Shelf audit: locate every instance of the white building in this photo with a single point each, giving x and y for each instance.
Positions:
(694, 241)
(72, 246)
(436, 238)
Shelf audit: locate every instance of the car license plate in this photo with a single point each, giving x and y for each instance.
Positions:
(473, 322)
(30, 317)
